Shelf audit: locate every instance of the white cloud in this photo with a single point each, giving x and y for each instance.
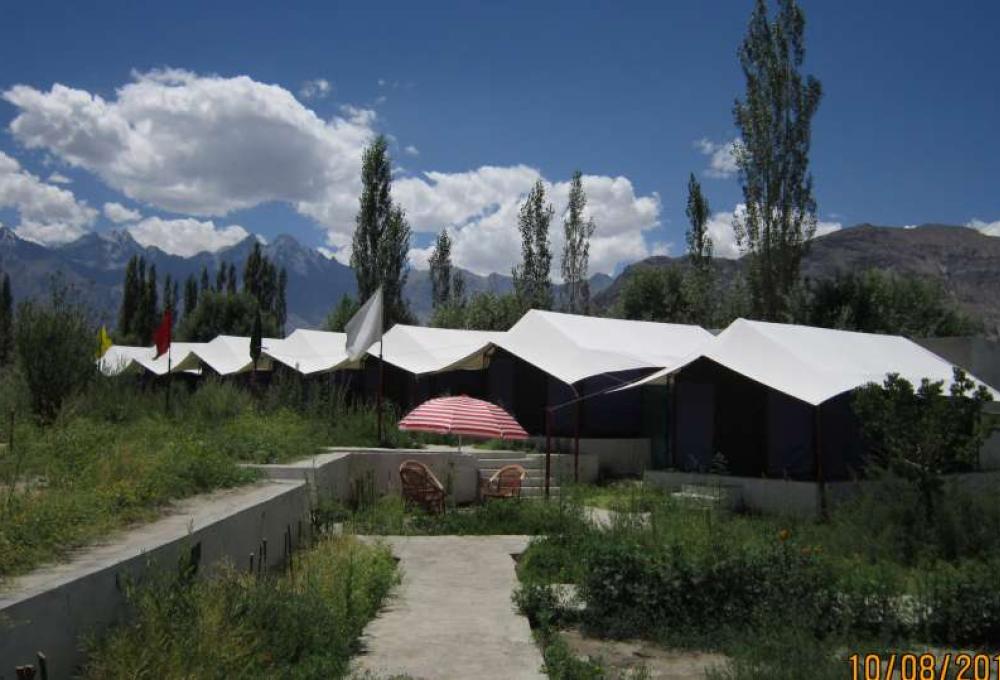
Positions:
(186, 236)
(59, 178)
(661, 248)
(720, 229)
(48, 214)
(203, 145)
(988, 228)
(721, 157)
(119, 214)
(412, 150)
(480, 210)
(317, 88)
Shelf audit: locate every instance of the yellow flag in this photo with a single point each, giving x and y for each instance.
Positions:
(103, 342)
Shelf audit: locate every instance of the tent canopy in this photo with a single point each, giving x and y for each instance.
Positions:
(308, 351)
(812, 364)
(571, 347)
(420, 350)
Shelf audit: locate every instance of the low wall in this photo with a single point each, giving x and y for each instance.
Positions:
(335, 472)
(52, 608)
(615, 457)
(772, 496)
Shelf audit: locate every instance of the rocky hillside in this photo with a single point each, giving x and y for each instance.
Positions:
(965, 260)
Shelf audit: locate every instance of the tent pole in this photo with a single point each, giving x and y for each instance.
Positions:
(170, 377)
(576, 446)
(548, 449)
(818, 452)
(381, 380)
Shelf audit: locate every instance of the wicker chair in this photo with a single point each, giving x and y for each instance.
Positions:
(505, 483)
(421, 487)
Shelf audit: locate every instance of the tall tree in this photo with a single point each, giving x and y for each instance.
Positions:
(440, 263)
(150, 306)
(699, 242)
(6, 322)
(170, 294)
(381, 235)
(775, 123)
(131, 296)
(281, 303)
(190, 295)
(205, 282)
(701, 280)
(231, 280)
(576, 249)
(220, 277)
(531, 278)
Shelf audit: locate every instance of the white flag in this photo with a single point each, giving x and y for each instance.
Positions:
(365, 327)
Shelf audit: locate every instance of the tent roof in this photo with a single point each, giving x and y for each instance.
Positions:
(228, 354)
(814, 364)
(422, 350)
(120, 358)
(309, 351)
(571, 347)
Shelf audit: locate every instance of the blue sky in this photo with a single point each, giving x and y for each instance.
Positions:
(484, 96)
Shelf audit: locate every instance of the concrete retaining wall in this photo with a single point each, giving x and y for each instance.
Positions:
(799, 499)
(337, 472)
(52, 608)
(616, 457)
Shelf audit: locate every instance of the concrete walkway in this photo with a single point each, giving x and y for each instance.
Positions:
(452, 616)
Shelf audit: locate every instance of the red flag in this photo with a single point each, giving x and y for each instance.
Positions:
(162, 335)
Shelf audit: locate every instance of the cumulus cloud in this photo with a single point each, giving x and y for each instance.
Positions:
(724, 245)
(988, 228)
(721, 157)
(119, 214)
(48, 214)
(185, 236)
(317, 88)
(480, 209)
(59, 178)
(203, 145)
(411, 150)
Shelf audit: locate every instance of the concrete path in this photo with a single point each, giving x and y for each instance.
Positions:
(452, 616)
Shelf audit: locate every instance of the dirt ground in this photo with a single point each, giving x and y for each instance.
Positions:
(661, 664)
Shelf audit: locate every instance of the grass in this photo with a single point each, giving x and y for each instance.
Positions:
(114, 456)
(305, 623)
(781, 598)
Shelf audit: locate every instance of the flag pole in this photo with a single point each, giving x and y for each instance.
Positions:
(381, 381)
(170, 375)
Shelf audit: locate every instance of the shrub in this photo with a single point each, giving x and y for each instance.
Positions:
(961, 603)
(55, 350)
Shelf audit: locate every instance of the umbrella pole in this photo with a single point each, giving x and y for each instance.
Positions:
(576, 446)
(381, 380)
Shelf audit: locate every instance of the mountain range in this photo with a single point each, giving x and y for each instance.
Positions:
(965, 260)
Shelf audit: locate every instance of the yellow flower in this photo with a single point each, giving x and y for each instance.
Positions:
(784, 535)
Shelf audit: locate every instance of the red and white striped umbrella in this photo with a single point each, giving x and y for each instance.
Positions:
(463, 416)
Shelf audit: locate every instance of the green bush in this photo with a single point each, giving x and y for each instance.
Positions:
(55, 350)
(303, 624)
(961, 603)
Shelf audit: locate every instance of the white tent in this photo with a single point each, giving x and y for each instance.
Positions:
(422, 350)
(121, 358)
(230, 354)
(811, 364)
(572, 347)
(308, 351)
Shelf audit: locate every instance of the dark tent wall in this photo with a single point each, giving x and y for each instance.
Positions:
(724, 417)
(526, 391)
(406, 390)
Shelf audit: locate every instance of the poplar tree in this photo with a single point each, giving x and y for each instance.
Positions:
(190, 295)
(130, 298)
(150, 306)
(206, 284)
(701, 284)
(6, 322)
(775, 123)
(440, 263)
(531, 278)
(576, 249)
(281, 304)
(381, 235)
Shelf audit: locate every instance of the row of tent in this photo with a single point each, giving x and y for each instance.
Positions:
(807, 363)
(770, 399)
